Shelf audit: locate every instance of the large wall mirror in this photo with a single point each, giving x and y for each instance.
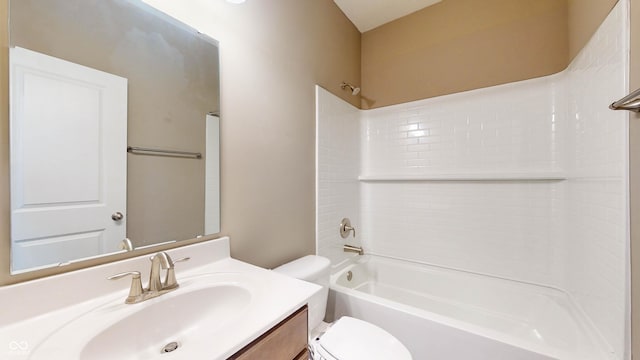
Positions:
(114, 130)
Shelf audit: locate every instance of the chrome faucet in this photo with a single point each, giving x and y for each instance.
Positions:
(354, 249)
(160, 261)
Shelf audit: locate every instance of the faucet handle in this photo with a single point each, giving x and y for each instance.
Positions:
(135, 291)
(345, 228)
(170, 281)
(181, 260)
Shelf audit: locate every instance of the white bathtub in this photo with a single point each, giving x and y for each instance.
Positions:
(446, 314)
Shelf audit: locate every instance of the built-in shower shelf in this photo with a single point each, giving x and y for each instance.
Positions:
(470, 176)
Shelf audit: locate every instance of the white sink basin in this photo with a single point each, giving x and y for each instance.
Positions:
(205, 304)
(221, 306)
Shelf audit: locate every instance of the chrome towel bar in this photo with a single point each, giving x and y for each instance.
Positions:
(160, 152)
(630, 102)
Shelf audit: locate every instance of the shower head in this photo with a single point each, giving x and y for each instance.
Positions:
(354, 90)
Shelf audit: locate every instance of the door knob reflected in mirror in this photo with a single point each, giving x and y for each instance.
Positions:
(117, 216)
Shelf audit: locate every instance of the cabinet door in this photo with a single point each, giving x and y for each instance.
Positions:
(285, 341)
(303, 356)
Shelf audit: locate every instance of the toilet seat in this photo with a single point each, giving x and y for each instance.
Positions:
(353, 339)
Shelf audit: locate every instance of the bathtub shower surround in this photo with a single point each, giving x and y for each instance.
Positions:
(470, 181)
(338, 167)
(596, 270)
(525, 181)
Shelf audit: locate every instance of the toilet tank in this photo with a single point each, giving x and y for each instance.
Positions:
(314, 269)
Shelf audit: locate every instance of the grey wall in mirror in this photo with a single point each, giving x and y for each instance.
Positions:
(87, 79)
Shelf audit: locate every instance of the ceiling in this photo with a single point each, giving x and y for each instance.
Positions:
(369, 14)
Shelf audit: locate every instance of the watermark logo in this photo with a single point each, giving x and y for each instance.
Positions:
(18, 347)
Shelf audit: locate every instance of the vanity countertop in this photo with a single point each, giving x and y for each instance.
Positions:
(34, 312)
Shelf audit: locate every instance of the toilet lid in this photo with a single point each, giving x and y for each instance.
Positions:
(353, 339)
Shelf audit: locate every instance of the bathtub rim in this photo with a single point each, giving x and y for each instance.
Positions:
(583, 321)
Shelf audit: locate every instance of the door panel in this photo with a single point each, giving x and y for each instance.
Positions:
(68, 126)
(52, 250)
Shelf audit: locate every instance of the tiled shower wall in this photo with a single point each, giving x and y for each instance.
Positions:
(508, 128)
(338, 166)
(499, 227)
(525, 181)
(596, 240)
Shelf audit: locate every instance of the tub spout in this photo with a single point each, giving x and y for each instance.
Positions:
(354, 249)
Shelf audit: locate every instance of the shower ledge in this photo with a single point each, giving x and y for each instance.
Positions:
(470, 176)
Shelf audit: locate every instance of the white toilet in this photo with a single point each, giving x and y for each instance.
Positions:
(347, 338)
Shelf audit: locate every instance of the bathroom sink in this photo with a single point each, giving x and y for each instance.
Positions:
(173, 325)
(221, 306)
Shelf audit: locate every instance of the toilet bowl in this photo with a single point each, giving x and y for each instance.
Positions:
(346, 338)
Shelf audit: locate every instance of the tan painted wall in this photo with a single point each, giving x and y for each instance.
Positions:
(459, 45)
(585, 16)
(272, 54)
(270, 64)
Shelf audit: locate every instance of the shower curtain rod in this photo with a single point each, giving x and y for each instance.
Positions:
(630, 102)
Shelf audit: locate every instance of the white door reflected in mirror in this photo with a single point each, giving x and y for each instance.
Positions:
(170, 80)
(68, 160)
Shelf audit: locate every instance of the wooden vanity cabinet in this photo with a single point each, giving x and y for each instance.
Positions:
(285, 341)
(303, 356)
